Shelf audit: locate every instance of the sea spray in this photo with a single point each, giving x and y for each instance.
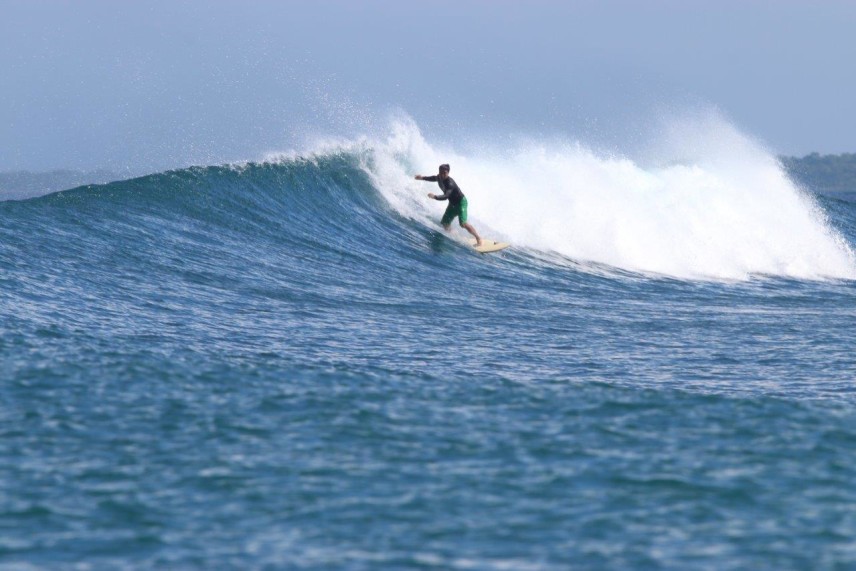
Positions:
(704, 202)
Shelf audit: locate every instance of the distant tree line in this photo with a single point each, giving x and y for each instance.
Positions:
(825, 173)
(24, 184)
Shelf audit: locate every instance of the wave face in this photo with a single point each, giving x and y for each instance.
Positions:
(708, 204)
(288, 364)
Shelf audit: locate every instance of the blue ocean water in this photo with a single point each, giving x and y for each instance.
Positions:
(287, 365)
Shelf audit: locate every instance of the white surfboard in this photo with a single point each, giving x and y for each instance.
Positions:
(488, 246)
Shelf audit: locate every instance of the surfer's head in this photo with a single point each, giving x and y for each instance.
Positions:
(444, 169)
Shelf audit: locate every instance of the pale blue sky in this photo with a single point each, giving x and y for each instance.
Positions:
(142, 86)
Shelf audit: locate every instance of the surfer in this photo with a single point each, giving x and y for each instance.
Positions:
(457, 201)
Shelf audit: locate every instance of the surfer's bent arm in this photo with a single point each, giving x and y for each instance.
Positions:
(435, 178)
(449, 188)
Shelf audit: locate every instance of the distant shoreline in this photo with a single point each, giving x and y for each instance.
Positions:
(823, 173)
(25, 184)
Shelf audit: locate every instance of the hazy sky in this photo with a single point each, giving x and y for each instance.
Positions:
(145, 85)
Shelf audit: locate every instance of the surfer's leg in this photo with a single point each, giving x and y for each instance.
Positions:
(462, 219)
(448, 216)
(471, 230)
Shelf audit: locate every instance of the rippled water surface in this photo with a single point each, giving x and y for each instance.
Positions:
(271, 367)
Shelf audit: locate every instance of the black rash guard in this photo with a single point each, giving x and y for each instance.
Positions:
(450, 189)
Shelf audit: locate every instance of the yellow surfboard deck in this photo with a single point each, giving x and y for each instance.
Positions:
(489, 245)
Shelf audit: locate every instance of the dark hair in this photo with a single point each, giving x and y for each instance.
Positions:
(445, 167)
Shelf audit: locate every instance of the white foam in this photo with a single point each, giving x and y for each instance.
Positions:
(706, 201)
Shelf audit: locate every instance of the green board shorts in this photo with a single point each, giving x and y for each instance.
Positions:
(459, 210)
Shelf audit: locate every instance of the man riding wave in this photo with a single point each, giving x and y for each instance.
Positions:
(457, 201)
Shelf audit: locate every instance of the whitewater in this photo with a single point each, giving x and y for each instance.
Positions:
(287, 363)
(705, 202)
